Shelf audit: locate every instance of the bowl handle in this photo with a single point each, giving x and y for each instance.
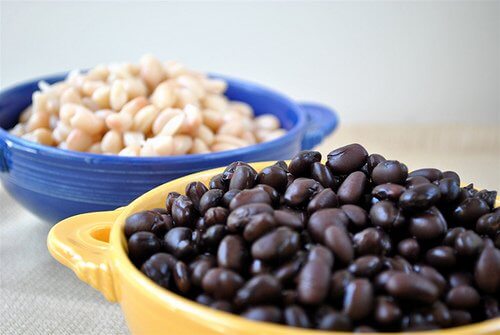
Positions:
(321, 122)
(82, 244)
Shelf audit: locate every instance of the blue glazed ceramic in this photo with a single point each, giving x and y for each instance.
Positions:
(55, 184)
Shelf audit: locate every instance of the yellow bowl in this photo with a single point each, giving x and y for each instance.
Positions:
(93, 245)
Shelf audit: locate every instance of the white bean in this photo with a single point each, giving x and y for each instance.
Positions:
(118, 96)
(163, 96)
(112, 142)
(216, 102)
(162, 119)
(223, 147)
(130, 151)
(78, 140)
(61, 132)
(135, 87)
(151, 71)
(234, 128)
(173, 125)
(133, 138)
(89, 86)
(85, 120)
(205, 134)
(230, 140)
(274, 135)
(26, 114)
(95, 148)
(70, 94)
(39, 102)
(267, 122)
(38, 120)
(212, 119)
(214, 86)
(144, 118)
(147, 150)
(134, 105)
(120, 122)
(199, 147)
(101, 96)
(182, 144)
(163, 145)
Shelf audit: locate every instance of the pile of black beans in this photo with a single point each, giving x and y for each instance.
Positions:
(356, 244)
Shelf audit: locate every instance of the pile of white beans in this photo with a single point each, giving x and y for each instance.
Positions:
(152, 108)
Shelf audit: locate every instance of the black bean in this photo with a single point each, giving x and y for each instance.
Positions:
(338, 284)
(451, 236)
(469, 211)
(433, 275)
(259, 225)
(460, 317)
(212, 237)
(324, 199)
(488, 224)
(487, 196)
(211, 198)
(460, 278)
(334, 321)
(468, 243)
(277, 245)
(462, 297)
(215, 215)
(258, 267)
(149, 221)
(228, 173)
(246, 197)
(409, 249)
(439, 314)
(358, 299)
(296, 316)
(385, 214)
(301, 191)
(300, 165)
(261, 289)
(243, 177)
(183, 211)
(358, 218)
(453, 175)
(222, 305)
(389, 172)
(419, 197)
(322, 174)
(442, 257)
(410, 286)
(371, 241)
(289, 270)
(366, 266)
(263, 313)
(411, 182)
(217, 182)
(372, 161)
(181, 277)
(398, 263)
(195, 191)
(240, 217)
(228, 196)
(178, 242)
(142, 245)
(322, 254)
(430, 173)
(199, 267)
(387, 311)
(388, 191)
(347, 159)
(232, 253)
(491, 308)
(314, 283)
(157, 268)
(170, 201)
(324, 218)
(273, 194)
(273, 176)
(487, 270)
(222, 283)
(289, 219)
(339, 242)
(204, 299)
(449, 189)
(427, 225)
(352, 188)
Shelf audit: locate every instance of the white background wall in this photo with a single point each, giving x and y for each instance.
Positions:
(372, 61)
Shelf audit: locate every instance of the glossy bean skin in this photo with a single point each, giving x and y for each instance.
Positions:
(246, 197)
(215, 215)
(222, 283)
(149, 221)
(420, 197)
(428, 225)
(487, 270)
(462, 297)
(339, 242)
(324, 218)
(240, 217)
(469, 211)
(468, 243)
(209, 199)
(366, 266)
(259, 225)
(217, 182)
(358, 299)
(273, 194)
(301, 163)
(273, 176)
(387, 312)
(389, 171)
(261, 289)
(372, 161)
(170, 201)
(300, 191)
(409, 248)
(195, 191)
(324, 199)
(228, 196)
(385, 214)
(276, 245)
(232, 253)
(371, 241)
(314, 283)
(449, 189)
(263, 313)
(289, 219)
(142, 245)
(183, 211)
(322, 174)
(199, 267)
(412, 287)
(181, 277)
(443, 257)
(295, 316)
(430, 173)
(352, 188)
(388, 191)
(178, 242)
(347, 159)
(157, 269)
(242, 178)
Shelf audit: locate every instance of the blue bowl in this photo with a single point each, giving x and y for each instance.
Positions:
(55, 184)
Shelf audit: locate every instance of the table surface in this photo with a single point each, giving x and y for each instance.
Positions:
(39, 296)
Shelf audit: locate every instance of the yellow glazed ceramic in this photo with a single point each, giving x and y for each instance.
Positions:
(94, 247)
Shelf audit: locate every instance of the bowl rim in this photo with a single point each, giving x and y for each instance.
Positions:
(120, 261)
(297, 130)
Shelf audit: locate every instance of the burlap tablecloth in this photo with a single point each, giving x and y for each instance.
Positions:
(39, 296)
